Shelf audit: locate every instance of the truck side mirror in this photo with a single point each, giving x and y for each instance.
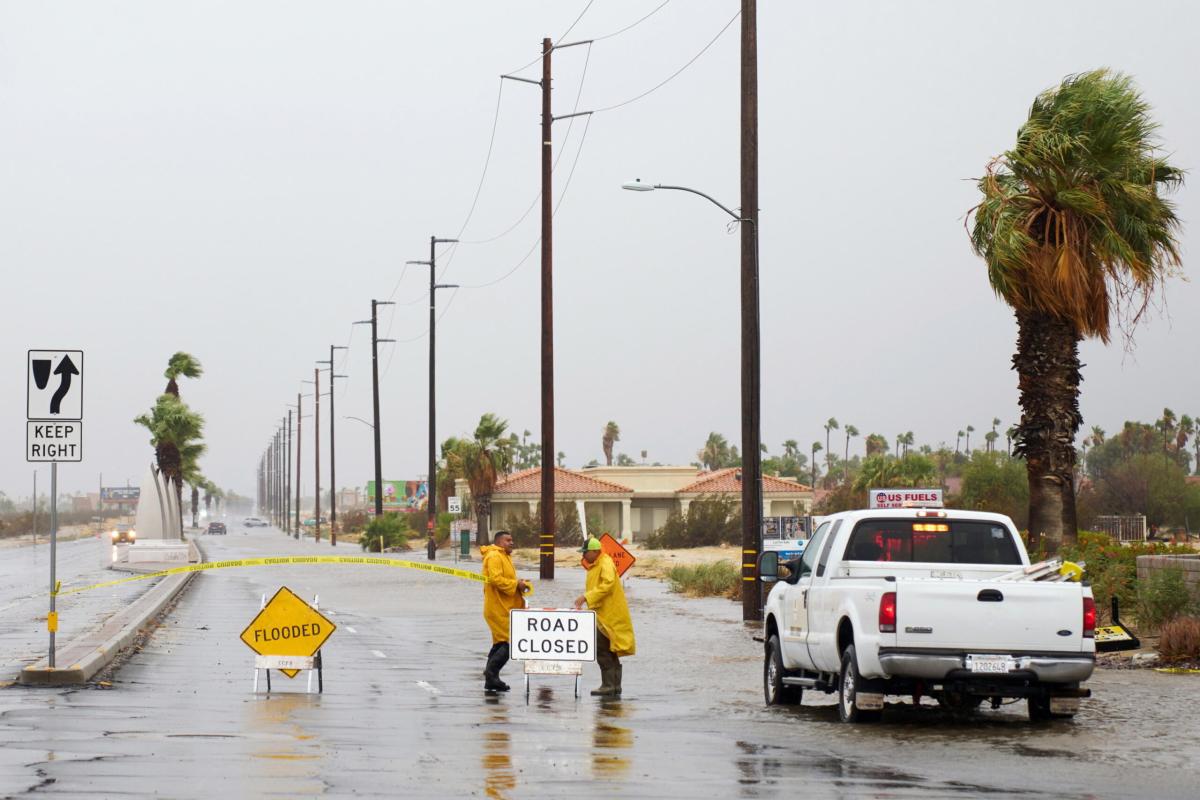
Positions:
(768, 567)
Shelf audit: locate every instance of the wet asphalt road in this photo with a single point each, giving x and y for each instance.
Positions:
(403, 713)
(24, 597)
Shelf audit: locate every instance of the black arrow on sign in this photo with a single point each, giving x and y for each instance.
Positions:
(66, 368)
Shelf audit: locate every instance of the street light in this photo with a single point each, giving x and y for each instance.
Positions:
(751, 405)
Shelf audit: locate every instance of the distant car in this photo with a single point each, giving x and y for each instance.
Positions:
(255, 522)
(124, 534)
(216, 529)
(311, 522)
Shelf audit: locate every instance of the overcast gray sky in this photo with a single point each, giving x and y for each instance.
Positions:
(238, 179)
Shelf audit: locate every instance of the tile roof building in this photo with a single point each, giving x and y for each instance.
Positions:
(633, 502)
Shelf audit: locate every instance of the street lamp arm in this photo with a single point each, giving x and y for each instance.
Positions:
(709, 198)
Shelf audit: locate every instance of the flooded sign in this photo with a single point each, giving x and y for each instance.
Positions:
(287, 626)
(551, 634)
(622, 558)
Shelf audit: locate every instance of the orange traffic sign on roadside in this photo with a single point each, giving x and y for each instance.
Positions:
(622, 558)
(287, 626)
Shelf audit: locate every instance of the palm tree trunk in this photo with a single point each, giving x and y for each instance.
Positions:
(171, 465)
(483, 511)
(195, 507)
(1047, 363)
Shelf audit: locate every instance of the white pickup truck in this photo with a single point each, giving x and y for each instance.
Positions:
(924, 602)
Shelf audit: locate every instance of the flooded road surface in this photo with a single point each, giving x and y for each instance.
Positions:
(403, 713)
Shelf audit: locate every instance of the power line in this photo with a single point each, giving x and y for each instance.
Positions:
(556, 41)
(674, 74)
(570, 126)
(631, 26)
(561, 197)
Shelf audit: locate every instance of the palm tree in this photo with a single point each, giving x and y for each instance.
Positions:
(612, 434)
(990, 441)
(851, 432)
(995, 424)
(875, 445)
(181, 365)
(830, 425)
(791, 449)
(816, 448)
(957, 442)
(907, 440)
(1074, 229)
(175, 432)
(967, 446)
(716, 453)
(560, 458)
(1009, 435)
(482, 461)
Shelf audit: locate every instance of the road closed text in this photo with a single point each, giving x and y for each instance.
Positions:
(552, 635)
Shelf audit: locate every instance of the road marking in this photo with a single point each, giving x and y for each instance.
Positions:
(378, 654)
(429, 687)
(351, 629)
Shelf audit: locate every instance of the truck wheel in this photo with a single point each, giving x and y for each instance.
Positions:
(848, 710)
(775, 692)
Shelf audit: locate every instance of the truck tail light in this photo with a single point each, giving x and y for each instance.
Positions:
(887, 613)
(1089, 618)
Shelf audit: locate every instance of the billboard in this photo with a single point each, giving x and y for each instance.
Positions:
(119, 494)
(400, 495)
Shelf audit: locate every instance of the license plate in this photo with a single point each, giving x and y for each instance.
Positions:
(994, 664)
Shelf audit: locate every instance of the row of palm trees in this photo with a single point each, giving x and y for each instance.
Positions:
(177, 436)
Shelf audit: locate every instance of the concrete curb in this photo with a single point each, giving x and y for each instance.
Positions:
(93, 651)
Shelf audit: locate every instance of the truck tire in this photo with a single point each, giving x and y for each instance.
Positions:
(775, 692)
(848, 710)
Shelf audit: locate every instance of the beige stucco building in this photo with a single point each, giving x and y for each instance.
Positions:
(632, 502)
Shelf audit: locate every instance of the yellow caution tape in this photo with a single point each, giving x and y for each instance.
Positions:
(1178, 670)
(52, 622)
(282, 560)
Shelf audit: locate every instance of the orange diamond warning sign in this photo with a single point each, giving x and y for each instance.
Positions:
(287, 626)
(622, 558)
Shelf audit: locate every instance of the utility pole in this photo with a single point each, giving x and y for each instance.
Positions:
(299, 442)
(35, 508)
(332, 467)
(751, 404)
(547, 536)
(317, 449)
(375, 340)
(431, 477)
(287, 481)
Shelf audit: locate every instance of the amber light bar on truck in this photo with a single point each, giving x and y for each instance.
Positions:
(930, 527)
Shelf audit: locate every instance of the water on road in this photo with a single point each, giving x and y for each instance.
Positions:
(403, 713)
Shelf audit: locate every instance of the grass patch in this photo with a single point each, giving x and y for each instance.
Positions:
(718, 579)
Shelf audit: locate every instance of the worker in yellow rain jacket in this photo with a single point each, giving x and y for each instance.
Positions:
(502, 592)
(614, 629)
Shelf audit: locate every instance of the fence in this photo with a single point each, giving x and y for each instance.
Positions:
(1123, 529)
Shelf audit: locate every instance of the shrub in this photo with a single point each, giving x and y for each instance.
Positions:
(1162, 597)
(1111, 567)
(354, 521)
(710, 520)
(718, 579)
(526, 528)
(391, 528)
(1180, 640)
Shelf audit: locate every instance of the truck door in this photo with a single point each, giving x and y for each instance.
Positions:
(795, 634)
(822, 610)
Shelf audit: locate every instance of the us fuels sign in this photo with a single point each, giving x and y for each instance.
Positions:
(54, 405)
(287, 626)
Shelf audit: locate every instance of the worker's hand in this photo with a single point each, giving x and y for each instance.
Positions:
(579, 601)
(522, 586)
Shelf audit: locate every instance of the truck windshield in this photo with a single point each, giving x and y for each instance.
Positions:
(940, 541)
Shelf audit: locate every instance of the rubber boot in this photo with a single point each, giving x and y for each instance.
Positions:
(606, 682)
(497, 658)
(616, 679)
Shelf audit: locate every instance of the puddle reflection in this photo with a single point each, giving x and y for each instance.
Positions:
(499, 777)
(611, 742)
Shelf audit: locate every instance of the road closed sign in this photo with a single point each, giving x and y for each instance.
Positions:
(548, 634)
(287, 626)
